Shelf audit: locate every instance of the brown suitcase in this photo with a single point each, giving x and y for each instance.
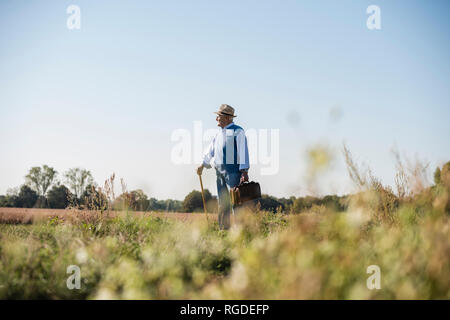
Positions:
(245, 192)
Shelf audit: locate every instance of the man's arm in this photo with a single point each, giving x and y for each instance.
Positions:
(207, 158)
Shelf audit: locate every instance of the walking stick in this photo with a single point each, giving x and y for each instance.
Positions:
(203, 197)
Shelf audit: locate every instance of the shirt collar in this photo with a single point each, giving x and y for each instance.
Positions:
(228, 126)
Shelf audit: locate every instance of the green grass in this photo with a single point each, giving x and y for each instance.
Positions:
(322, 255)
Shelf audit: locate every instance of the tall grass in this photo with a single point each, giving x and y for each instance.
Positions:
(319, 254)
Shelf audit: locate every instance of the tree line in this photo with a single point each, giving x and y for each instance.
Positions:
(77, 189)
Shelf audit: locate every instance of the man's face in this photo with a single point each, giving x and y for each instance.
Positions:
(222, 120)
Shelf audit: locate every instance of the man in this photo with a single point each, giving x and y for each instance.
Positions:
(228, 153)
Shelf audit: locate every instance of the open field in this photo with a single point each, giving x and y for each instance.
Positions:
(315, 255)
(30, 215)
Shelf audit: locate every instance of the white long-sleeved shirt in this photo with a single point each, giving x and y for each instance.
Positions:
(221, 151)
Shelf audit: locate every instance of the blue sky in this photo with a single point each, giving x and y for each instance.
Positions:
(108, 96)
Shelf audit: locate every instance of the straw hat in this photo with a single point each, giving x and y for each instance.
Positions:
(226, 110)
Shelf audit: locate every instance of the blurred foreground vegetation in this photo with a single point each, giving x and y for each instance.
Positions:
(316, 255)
(322, 253)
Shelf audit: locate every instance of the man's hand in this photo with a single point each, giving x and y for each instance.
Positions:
(244, 177)
(200, 170)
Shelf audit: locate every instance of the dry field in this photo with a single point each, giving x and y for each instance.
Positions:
(30, 215)
(321, 255)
